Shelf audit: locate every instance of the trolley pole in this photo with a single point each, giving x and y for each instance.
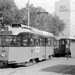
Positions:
(28, 13)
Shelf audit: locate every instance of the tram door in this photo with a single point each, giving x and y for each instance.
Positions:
(49, 47)
(62, 47)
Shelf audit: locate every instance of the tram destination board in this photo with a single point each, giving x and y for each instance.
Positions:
(5, 32)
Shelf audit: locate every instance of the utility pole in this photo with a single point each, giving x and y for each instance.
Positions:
(28, 13)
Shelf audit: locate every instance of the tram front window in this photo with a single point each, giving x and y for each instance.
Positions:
(5, 40)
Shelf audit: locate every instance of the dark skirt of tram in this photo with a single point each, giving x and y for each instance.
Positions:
(59, 51)
(62, 49)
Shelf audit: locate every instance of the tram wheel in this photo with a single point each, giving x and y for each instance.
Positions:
(26, 64)
(5, 63)
(37, 60)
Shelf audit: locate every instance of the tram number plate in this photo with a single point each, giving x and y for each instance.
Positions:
(37, 49)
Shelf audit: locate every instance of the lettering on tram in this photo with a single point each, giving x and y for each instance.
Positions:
(37, 49)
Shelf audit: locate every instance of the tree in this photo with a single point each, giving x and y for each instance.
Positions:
(33, 15)
(8, 10)
(42, 20)
(57, 25)
(39, 18)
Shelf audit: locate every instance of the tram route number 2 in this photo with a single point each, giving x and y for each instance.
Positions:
(37, 49)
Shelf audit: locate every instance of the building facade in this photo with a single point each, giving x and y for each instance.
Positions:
(65, 9)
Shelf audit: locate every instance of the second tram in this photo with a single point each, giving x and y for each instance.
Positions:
(62, 46)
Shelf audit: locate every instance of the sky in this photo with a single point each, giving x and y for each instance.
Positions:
(48, 5)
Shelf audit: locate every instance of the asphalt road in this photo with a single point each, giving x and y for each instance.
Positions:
(55, 66)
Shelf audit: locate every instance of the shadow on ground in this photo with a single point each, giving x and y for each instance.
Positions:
(9, 66)
(63, 69)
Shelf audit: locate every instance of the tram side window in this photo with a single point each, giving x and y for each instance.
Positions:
(62, 42)
(44, 41)
(31, 40)
(55, 42)
(24, 40)
(58, 43)
(68, 42)
(41, 41)
(13, 42)
(16, 41)
(49, 43)
(0, 40)
(37, 41)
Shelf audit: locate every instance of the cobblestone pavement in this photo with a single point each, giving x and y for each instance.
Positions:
(55, 66)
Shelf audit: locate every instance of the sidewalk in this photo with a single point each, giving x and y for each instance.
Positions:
(70, 61)
(56, 66)
(64, 67)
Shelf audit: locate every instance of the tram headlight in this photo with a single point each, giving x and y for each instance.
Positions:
(3, 55)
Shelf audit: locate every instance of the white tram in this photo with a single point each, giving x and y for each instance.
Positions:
(23, 44)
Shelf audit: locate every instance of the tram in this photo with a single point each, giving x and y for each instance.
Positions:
(23, 44)
(62, 46)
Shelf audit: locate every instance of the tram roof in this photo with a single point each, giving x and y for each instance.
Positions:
(72, 38)
(39, 32)
(16, 31)
(58, 37)
(63, 37)
(19, 29)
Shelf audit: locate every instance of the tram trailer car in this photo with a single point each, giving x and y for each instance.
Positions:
(25, 45)
(60, 47)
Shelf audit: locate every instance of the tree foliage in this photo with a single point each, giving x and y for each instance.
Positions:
(57, 25)
(43, 20)
(39, 18)
(9, 11)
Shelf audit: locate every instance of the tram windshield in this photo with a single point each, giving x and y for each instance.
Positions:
(9, 40)
(5, 40)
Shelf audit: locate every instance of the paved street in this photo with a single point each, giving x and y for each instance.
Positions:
(55, 66)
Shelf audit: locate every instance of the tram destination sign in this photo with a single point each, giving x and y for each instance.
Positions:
(5, 32)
